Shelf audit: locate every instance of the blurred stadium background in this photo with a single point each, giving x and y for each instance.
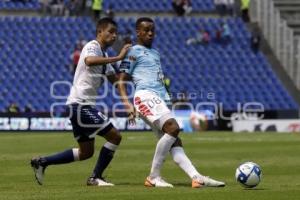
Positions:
(251, 54)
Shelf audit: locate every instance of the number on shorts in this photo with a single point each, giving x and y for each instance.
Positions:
(153, 101)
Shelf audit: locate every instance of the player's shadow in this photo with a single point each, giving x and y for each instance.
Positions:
(256, 189)
(141, 184)
(189, 185)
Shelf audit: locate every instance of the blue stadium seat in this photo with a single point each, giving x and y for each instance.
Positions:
(18, 5)
(233, 72)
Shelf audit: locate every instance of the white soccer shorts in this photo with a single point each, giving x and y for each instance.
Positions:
(152, 109)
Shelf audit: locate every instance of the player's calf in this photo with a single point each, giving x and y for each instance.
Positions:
(38, 169)
(107, 151)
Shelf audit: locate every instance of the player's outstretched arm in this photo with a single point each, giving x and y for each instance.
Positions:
(99, 60)
(123, 79)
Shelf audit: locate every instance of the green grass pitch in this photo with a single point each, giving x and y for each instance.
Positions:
(216, 154)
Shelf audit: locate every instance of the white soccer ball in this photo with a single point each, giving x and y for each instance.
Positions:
(248, 174)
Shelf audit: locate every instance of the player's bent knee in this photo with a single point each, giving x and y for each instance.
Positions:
(114, 136)
(171, 127)
(117, 139)
(86, 149)
(83, 155)
(175, 131)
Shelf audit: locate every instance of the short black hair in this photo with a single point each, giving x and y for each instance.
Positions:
(142, 19)
(103, 23)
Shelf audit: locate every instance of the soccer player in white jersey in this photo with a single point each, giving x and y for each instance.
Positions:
(86, 120)
(142, 66)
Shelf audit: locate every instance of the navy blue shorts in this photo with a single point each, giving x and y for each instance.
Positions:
(88, 122)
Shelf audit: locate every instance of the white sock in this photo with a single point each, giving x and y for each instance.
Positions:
(76, 154)
(163, 146)
(184, 162)
(110, 146)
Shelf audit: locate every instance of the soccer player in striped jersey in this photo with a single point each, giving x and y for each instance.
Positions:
(142, 66)
(93, 68)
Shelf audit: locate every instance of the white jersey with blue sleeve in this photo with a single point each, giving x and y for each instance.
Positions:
(143, 64)
(88, 79)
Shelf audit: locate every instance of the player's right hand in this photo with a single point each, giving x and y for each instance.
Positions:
(124, 51)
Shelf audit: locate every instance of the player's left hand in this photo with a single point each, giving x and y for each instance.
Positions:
(131, 113)
(131, 118)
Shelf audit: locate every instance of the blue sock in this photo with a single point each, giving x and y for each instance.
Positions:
(105, 156)
(59, 158)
